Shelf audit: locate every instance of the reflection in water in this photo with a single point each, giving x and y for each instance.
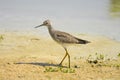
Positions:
(115, 8)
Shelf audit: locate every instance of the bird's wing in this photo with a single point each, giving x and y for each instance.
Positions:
(64, 37)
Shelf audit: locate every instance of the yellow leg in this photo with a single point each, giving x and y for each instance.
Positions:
(69, 60)
(65, 57)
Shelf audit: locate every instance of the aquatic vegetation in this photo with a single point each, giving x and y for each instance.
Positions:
(50, 69)
(100, 56)
(95, 58)
(59, 69)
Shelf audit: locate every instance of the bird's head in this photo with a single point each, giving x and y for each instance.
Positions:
(45, 23)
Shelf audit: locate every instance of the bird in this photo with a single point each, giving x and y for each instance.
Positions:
(62, 38)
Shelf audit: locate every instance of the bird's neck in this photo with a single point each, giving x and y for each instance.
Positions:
(50, 28)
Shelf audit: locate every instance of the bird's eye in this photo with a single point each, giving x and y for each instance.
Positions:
(45, 23)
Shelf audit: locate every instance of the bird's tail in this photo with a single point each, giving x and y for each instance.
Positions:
(81, 41)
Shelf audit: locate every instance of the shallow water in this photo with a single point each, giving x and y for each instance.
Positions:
(81, 17)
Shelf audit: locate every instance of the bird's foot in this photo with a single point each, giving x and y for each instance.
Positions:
(60, 64)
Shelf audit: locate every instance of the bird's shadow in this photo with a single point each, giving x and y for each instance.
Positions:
(40, 64)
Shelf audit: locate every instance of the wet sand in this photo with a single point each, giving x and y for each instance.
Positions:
(33, 57)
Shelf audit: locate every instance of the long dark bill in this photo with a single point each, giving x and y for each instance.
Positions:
(39, 25)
